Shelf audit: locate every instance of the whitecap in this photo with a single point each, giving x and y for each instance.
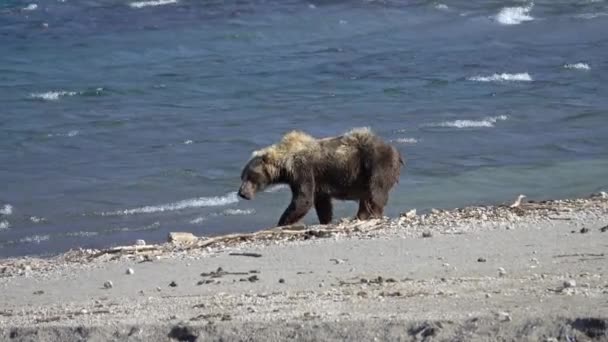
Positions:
(69, 134)
(504, 77)
(405, 140)
(35, 239)
(238, 212)
(485, 122)
(185, 204)
(578, 66)
(53, 95)
(591, 15)
(141, 4)
(37, 219)
(188, 142)
(30, 7)
(4, 224)
(442, 7)
(277, 188)
(6, 210)
(82, 234)
(514, 15)
(198, 220)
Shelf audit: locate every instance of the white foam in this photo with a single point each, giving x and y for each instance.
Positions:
(141, 4)
(514, 15)
(4, 224)
(486, 122)
(35, 238)
(37, 219)
(591, 15)
(188, 142)
(405, 140)
(504, 77)
(82, 234)
(69, 134)
(53, 95)
(189, 203)
(277, 188)
(198, 220)
(30, 7)
(578, 66)
(6, 210)
(238, 212)
(442, 7)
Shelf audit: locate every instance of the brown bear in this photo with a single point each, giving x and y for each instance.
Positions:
(356, 166)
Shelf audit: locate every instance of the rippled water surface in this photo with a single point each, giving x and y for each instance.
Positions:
(124, 120)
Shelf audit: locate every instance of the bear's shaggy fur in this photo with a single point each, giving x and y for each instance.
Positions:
(356, 166)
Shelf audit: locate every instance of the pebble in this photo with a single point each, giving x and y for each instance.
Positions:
(427, 234)
(173, 284)
(130, 271)
(488, 295)
(501, 272)
(108, 284)
(84, 311)
(481, 259)
(584, 230)
(281, 281)
(140, 242)
(569, 283)
(504, 317)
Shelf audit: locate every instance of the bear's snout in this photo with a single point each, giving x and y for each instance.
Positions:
(245, 191)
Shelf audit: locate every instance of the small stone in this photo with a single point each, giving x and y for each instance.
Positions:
(130, 271)
(39, 292)
(173, 284)
(584, 230)
(569, 283)
(108, 284)
(140, 242)
(488, 295)
(281, 281)
(501, 272)
(480, 259)
(604, 229)
(504, 317)
(253, 278)
(427, 234)
(158, 289)
(84, 311)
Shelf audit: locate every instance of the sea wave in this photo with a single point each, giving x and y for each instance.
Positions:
(591, 15)
(277, 188)
(578, 66)
(34, 239)
(198, 220)
(232, 212)
(442, 7)
(504, 77)
(141, 4)
(4, 224)
(30, 7)
(37, 219)
(514, 15)
(185, 204)
(485, 122)
(405, 140)
(53, 95)
(69, 134)
(81, 234)
(6, 210)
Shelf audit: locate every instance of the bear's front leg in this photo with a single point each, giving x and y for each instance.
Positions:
(301, 202)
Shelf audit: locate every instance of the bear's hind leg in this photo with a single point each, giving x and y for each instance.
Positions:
(324, 208)
(365, 209)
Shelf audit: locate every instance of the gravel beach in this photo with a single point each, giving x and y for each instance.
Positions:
(523, 271)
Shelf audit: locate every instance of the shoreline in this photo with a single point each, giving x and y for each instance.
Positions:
(518, 271)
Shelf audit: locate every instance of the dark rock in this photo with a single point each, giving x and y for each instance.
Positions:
(173, 284)
(281, 281)
(480, 259)
(584, 230)
(253, 278)
(427, 234)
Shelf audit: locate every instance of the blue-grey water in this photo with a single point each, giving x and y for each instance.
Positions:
(124, 120)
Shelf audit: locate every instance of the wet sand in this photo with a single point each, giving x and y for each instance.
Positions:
(534, 271)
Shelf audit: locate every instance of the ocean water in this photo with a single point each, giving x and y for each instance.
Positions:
(124, 120)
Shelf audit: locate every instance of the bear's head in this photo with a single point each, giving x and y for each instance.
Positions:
(255, 177)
